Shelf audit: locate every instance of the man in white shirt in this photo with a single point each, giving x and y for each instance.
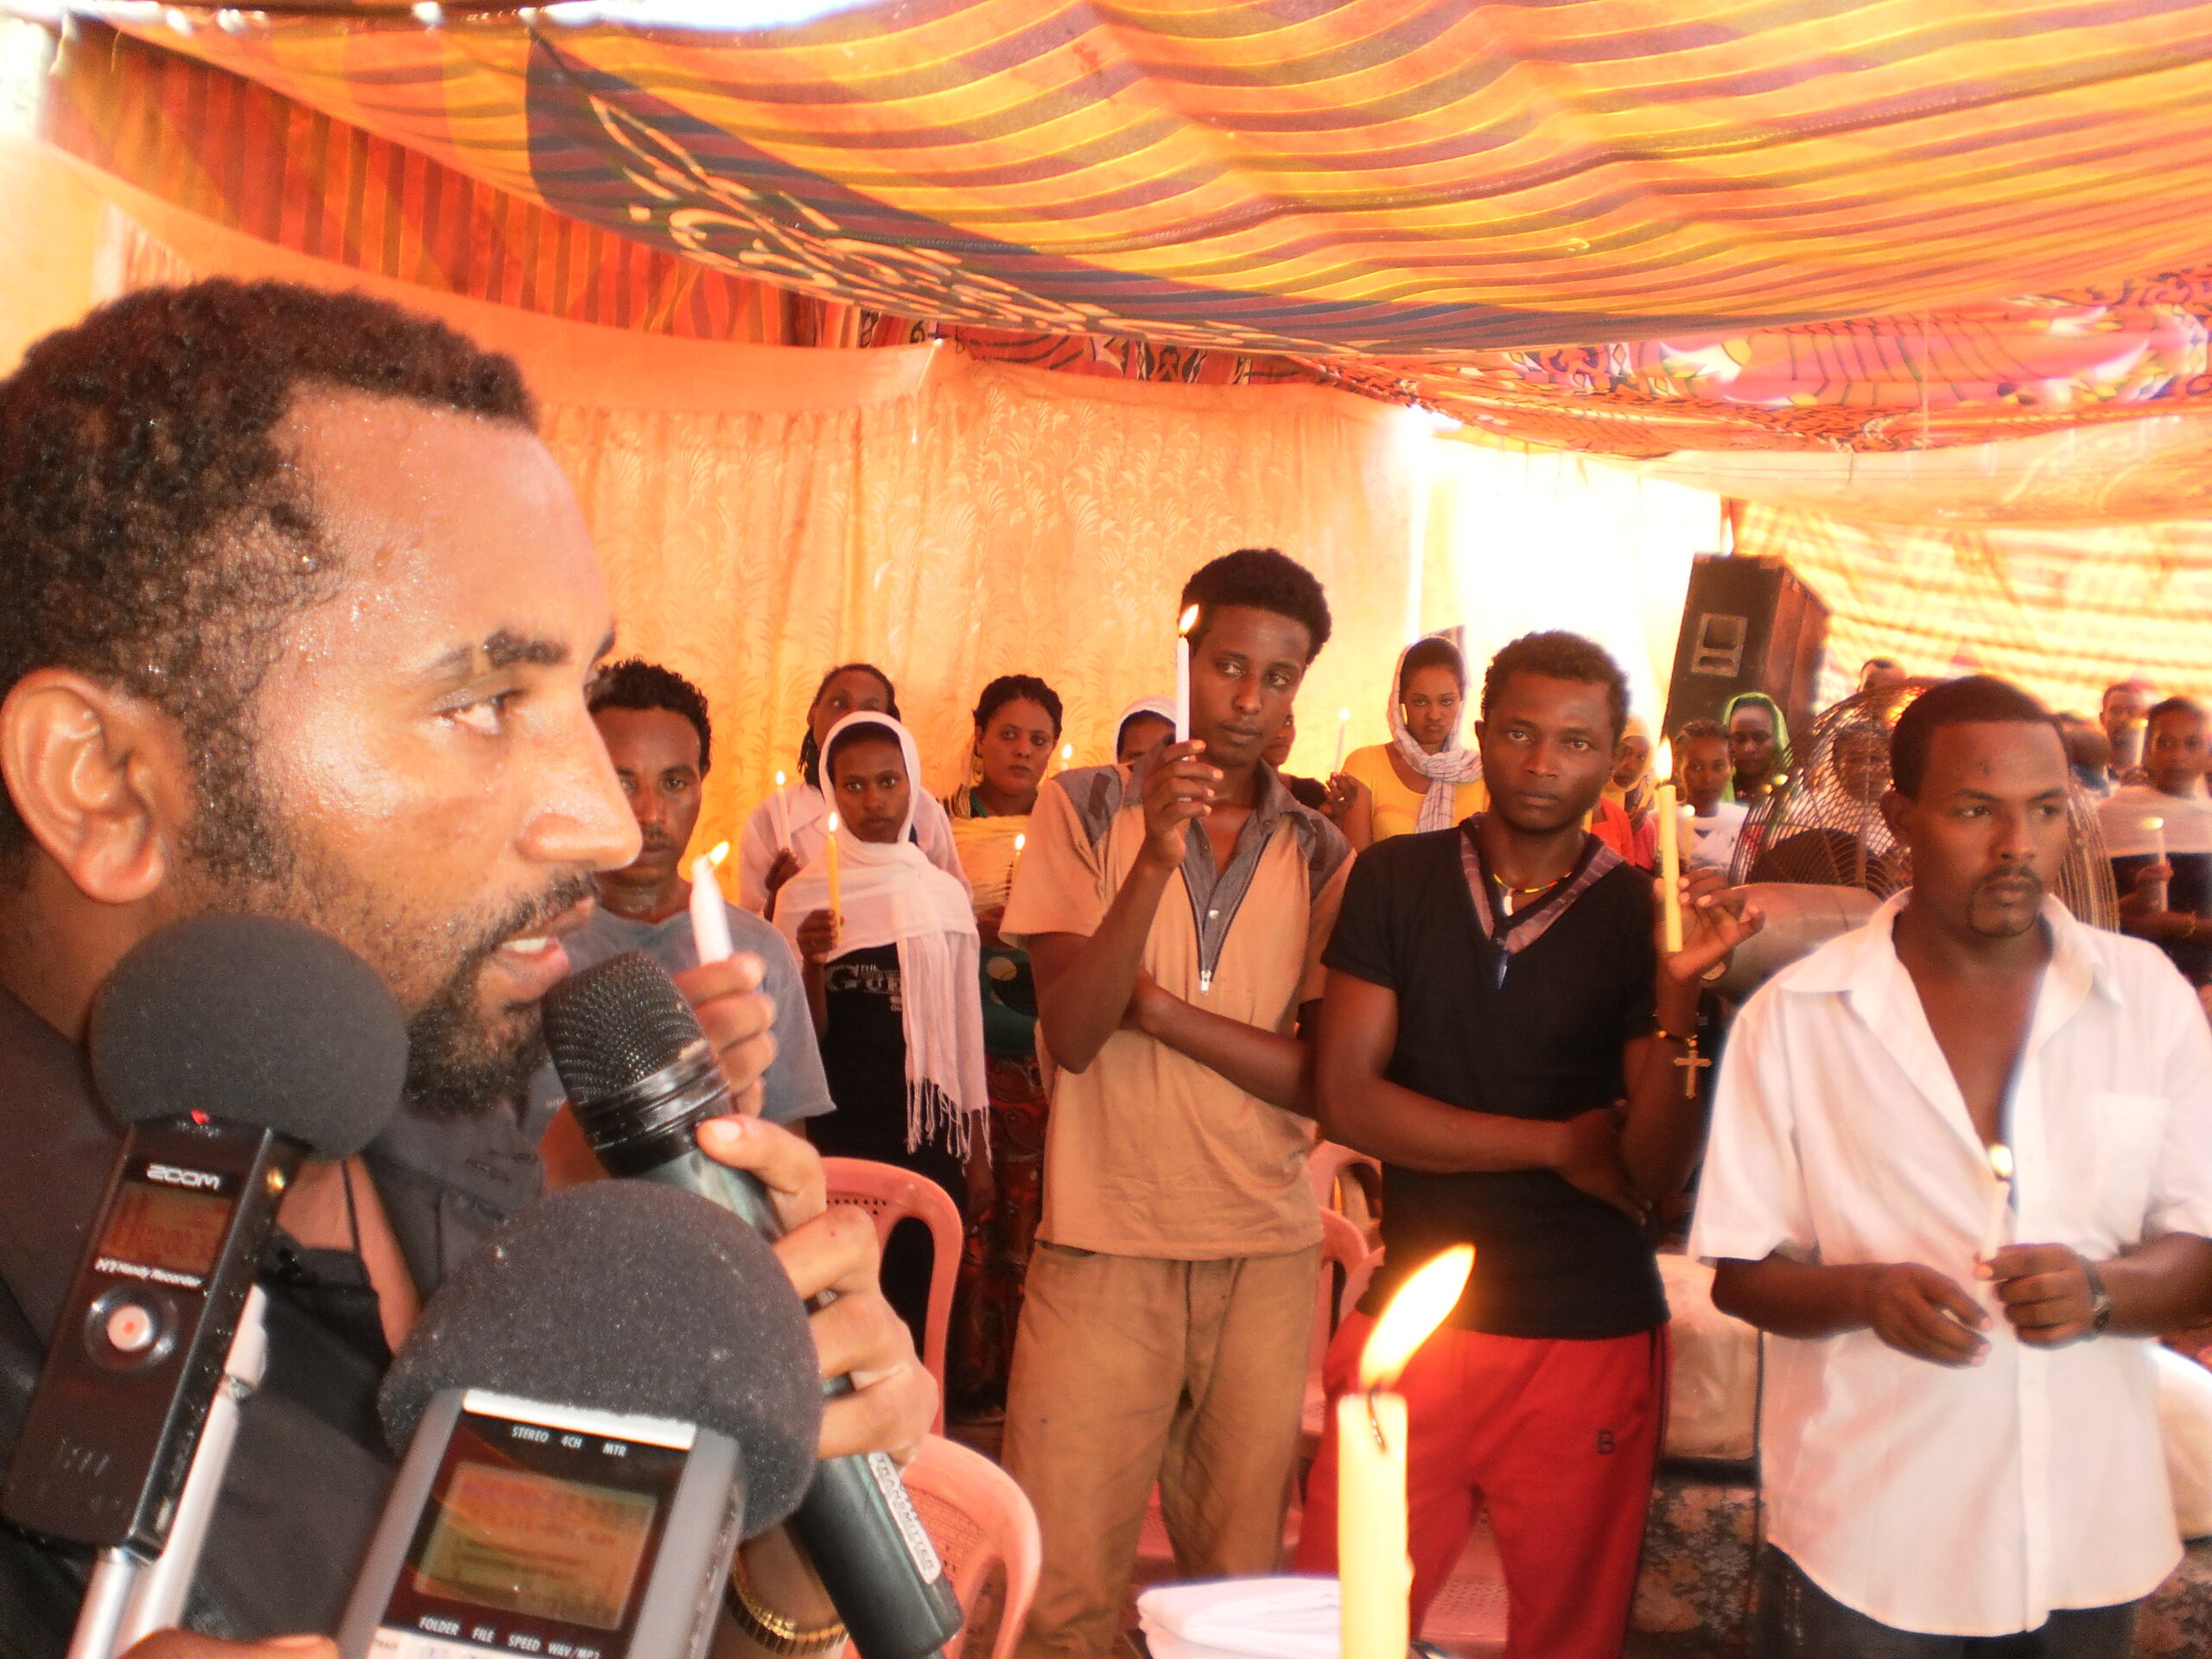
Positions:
(1960, 1436)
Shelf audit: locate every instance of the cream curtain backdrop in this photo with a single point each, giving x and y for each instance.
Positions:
(996, 521)
(2064, 612)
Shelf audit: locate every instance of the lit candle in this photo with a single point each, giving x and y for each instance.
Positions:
(2160, 890)
(830, 853)
(1183, 674)
(1014, 863)
(1067, 756)
(780, 810)
(1998, 1221)
(710, 920)
(1373, 1568)
(1344, 725)
(1670, 851)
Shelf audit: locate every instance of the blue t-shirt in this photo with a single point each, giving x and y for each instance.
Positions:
(794, 1088)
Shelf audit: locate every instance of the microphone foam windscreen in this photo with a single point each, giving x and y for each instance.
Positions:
(629, 1296)
(251, 1020)
(615, 1024)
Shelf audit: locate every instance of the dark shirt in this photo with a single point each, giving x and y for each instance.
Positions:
(2189, 891)
(310, 1469)
(1524, 1017)
(864, 1056)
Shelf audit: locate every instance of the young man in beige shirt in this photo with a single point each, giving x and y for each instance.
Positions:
(1176, 935)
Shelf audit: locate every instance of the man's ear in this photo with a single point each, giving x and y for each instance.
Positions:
(98, 776)
(1894, 807)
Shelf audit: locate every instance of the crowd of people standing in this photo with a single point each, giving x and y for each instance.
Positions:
(1108, 1008)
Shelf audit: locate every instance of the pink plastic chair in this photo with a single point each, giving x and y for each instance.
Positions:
(1342, 1246)
(1348, 1182)
(891, 1194)
(986, 1533)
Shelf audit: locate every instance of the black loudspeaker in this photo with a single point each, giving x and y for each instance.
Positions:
(1748, 625)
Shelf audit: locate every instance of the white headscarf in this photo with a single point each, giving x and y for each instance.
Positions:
(1161, 707)
(1453, 765)
(890, 893)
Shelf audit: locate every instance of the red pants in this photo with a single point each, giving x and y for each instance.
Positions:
(1557, 1439)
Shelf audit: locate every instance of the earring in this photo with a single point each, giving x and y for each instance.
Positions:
(975, 768)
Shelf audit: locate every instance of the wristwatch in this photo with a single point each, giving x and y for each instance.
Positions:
(2099, 1298)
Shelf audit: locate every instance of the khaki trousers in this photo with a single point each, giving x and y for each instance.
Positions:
(1128, 1370)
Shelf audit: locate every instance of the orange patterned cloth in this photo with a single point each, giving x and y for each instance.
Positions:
(1714, 224)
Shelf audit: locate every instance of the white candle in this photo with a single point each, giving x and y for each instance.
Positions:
(1998, 1221)
(1183, 674)
(1343, 726)
(1670, 853)
(1373, 1567)
(780, 811)
(2162, 891)
(830, 853)
(710, 920)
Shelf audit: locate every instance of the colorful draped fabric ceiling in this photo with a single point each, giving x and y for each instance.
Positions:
(1622, 227)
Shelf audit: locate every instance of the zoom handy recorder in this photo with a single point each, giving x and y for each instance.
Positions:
(137, 1351)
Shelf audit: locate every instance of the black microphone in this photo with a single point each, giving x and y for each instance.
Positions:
(595, 1407)
(641, 1077)
(232, 1048)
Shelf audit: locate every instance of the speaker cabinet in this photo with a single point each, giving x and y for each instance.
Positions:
(1748, 625)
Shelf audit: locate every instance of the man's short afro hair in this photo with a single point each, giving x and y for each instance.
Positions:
(1971, 700)
(156, 532)
(1558, 655)
(634, 682)
(1265, 579)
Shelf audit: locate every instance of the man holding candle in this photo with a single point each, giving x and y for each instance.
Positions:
(1174, 922)
(2159, 837)
(655, 725)
(299, 619)
(1494, 989)
(1947, 1472)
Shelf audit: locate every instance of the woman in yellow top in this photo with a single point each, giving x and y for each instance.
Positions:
(1425, 777)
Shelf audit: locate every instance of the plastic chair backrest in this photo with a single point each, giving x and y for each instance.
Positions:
(890, 1195)
(1339, 1179)
(986, 1534)
(1341, 1247)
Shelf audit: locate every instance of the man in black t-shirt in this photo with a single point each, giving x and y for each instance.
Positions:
(1495, 993)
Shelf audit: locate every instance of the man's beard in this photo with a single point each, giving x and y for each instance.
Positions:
(240, 855)
(456, 1066)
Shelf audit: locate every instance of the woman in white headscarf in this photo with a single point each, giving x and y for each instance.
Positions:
(891, 979)
(1425, 777)
(1143, 727)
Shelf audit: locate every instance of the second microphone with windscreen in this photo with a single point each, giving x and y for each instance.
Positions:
(641, 1077)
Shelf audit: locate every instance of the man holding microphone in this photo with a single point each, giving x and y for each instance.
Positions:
(299, 619)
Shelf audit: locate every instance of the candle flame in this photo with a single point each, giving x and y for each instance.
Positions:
(1666, 772)
(833, 823)
(779, 780)
(721, 852)
(1343, 714)
(2001, 1162)
(1423, 1302)
(1067, 752)
(2154, 824)
(1021, 842)
(1189, 620)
